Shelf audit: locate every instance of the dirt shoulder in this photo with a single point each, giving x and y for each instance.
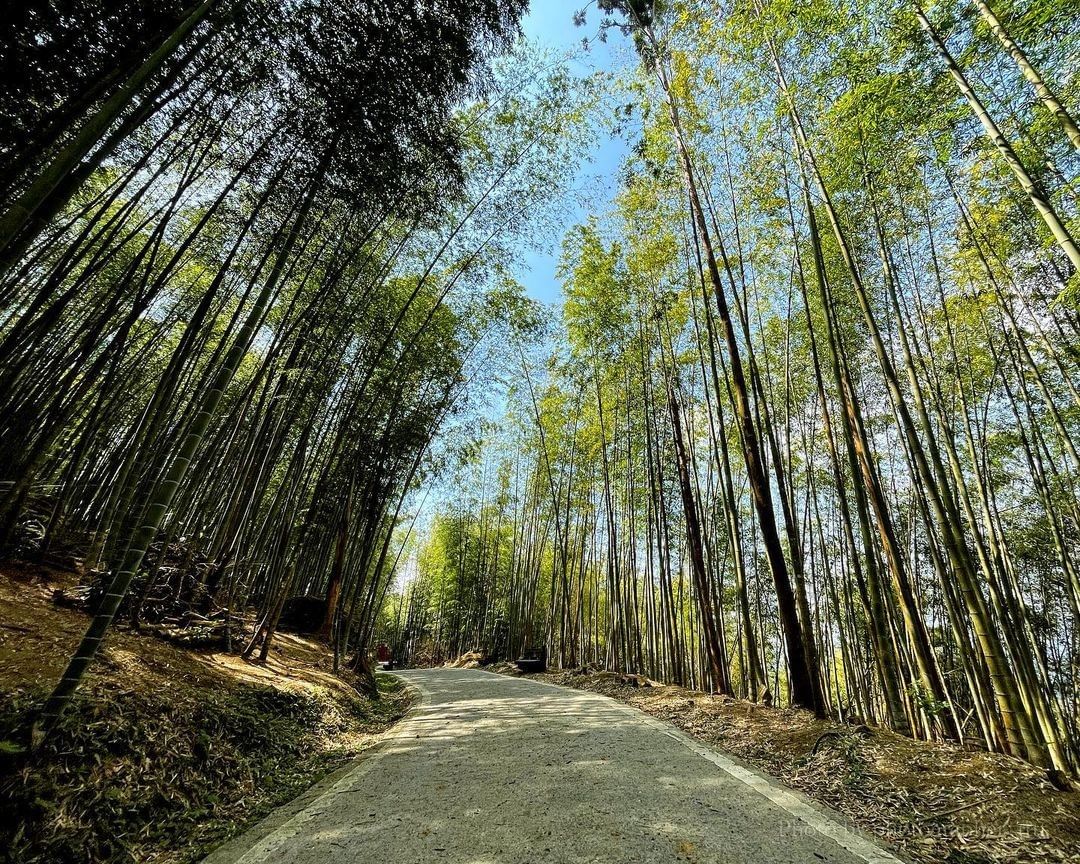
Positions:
(933, 802)
(166, 752)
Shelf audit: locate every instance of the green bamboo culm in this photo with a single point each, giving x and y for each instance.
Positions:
(16, 217)
(1035, 192)
(164, 492)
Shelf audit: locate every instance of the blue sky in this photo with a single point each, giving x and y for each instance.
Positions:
(550, 23)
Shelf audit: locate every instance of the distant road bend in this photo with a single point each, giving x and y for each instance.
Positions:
(496, 770)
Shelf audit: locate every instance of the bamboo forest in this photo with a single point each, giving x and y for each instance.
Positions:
(716, 358)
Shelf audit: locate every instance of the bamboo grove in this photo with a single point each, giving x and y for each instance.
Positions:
(251, 258)
(806, 431)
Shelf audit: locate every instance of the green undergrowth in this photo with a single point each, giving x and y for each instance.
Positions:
(165, 776)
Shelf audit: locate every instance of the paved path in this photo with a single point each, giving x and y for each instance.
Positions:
(496, 770)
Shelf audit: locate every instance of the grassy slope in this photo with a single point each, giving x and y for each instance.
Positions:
(167, 752)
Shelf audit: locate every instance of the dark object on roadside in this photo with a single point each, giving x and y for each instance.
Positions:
(302, 614)
(532, 660)
(384, 657)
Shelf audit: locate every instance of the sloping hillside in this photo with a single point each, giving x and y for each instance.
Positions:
(167, 752)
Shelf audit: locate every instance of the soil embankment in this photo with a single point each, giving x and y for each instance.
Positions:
(167, 752)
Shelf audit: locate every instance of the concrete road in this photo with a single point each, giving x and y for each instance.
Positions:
(493, 769)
